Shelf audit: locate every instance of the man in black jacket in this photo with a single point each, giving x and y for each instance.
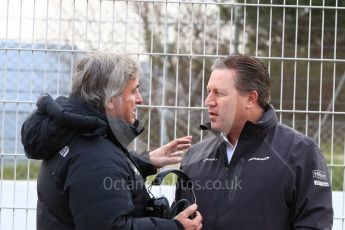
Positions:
(88, 178)
(253, 172)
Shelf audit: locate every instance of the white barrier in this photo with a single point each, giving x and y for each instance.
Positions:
(18, 204)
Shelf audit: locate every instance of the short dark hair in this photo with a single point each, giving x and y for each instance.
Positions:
(252, 75)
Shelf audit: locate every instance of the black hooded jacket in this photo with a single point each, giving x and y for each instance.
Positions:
(88, 180)
(276, 180)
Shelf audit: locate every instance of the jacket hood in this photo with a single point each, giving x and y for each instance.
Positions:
(73, 113)
(56, 123)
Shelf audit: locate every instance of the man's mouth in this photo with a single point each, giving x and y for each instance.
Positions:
(212, 114)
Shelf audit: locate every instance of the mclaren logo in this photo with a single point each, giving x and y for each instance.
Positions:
(210, 159)
(259, 159)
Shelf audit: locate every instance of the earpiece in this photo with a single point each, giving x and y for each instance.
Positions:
(159, 207)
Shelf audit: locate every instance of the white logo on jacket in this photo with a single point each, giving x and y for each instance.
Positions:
(136, 171)
(210, 159)
(259, 159)
(64, 151)
(321, 183)
(318, 174)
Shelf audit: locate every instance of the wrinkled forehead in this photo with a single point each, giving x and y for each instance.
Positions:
(222, 78)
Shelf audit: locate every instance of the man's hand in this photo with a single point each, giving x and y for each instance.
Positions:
(170, 153)
(187, 223)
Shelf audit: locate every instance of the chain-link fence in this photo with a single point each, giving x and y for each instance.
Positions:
(301, 41)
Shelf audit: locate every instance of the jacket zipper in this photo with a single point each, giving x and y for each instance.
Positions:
(232, 191)
(225, 175)
(234, 179)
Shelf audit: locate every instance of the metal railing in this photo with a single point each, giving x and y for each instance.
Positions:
(302, 42)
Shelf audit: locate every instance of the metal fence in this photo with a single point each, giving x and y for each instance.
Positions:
(301, 41)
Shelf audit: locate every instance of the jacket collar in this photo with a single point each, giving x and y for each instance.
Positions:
(123, 132)
(120, 131)
(267, 121)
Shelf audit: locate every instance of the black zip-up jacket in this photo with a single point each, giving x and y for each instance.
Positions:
(87, 179)
(276, 180)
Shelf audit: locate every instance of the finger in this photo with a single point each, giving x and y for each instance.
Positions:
(188, 137)
(184, 146)
(174, 145)
(184, 140)
(198, 217)
(176, 154)
(189, 210)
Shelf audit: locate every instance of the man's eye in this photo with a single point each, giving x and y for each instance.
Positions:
(217, 93)
(221, 94)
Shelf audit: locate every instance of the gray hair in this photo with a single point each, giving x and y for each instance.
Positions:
(100, 76)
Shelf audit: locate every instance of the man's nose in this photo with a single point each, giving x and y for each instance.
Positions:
(209, 101)
(138, 98)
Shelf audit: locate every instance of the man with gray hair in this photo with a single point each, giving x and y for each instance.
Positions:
(88, 178)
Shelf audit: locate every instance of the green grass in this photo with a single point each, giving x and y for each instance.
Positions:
(20, 170)
(335, 164)
(170, 179)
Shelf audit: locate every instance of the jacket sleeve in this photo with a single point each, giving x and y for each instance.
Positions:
(100, 198)
(143, 162)
(313, 193)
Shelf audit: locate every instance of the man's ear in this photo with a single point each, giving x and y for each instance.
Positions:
(252, 99)
(110, 104)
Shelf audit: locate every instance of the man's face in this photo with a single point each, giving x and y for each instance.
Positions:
(226, 107)
(124, 106)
